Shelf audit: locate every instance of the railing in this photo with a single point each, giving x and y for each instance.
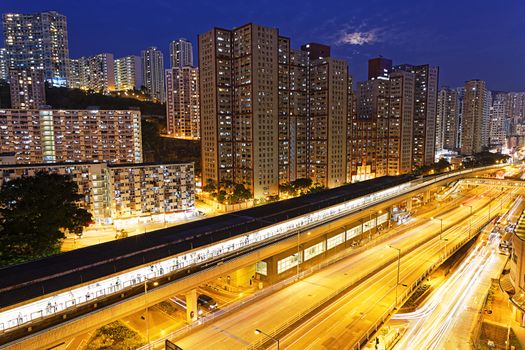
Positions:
(263, 342)
(126, 287)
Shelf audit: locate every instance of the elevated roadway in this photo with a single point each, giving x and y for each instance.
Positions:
(45, 301)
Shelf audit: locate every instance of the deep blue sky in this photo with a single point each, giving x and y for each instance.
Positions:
(467, 39)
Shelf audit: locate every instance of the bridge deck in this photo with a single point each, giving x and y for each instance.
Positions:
(37, 278)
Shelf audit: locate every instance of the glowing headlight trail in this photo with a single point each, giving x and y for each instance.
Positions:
(429, 325)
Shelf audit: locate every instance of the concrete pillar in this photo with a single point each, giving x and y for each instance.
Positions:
(426, 196)
(191, 306)
(242, 277)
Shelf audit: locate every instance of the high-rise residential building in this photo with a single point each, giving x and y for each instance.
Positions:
(498, 115)
(382, 127)
(128, 73)
(27, 88)
(447, 121)
(327, 114)
(181, 53)
(271, 114)
(515, 105)
(4, 71)
(239, 107)
(425, 111)
(485, 126)
(114, 192)
(95, 73)
(379, 68)
(153, 73)
(182, 102)
(474, 108)
(38, 41)
(47, 135)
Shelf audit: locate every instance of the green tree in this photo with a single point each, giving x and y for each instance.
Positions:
(209, 186)
(115, 336)
(35, 211)
(240, 193)
(302, 183)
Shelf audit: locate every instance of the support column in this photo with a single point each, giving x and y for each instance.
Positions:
(191, 306)
(426, 196)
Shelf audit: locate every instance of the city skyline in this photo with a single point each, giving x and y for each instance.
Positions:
(445, 34)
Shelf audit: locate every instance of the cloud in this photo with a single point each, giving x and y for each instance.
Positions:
(359, 37)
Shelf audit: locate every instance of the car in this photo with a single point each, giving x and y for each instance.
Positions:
(206, 302)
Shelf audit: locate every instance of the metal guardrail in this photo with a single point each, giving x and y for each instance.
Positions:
(414, 185)
(263, 342)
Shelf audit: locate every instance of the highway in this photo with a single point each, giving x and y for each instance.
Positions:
(447, 318)
(76, 281)
(343, 322)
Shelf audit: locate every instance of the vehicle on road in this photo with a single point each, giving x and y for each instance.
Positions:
(207, 302)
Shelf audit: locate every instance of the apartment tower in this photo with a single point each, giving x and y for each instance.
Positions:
(153, 73)
(447, 121)
(271, 114)
(425, 111)
(128, 73)
(38, 41)
(94, 73)
(27, 88)
(182, 102)
(474, 107)
(181, 53)
(382, 127)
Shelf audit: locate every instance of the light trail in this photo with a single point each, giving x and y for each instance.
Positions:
(54, 303)
(429, 325)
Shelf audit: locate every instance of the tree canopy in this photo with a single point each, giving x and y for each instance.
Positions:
(116, 336)
(35, 211)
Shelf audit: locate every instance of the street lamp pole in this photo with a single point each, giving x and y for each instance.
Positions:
(298, 254)
(398, 266)
(470, 221)
(258, 331)
(146, 304)
(299, 251)
(441, 229)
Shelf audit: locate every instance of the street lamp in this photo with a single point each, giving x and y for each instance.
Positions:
(258, 331)
(398, 266)
(441, 230)
(470, 225)
(298, 251)
(146, 304)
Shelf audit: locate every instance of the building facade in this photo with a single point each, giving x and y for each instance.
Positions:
(326, 117)
(425, 111)
(116, 192)
(95, 73)
(153, 73)
(181, 53)
(4, 71)
(27, 88)
(498, 115)
(447, 121)
(382, 127)
(182, 102)
(46, 135)
(473, 117)
(128, 73)
(271, 114)
(38, 41)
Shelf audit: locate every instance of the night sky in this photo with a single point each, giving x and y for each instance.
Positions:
(467, 39)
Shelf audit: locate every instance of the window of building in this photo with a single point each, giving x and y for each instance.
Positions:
(314, 250)
(287, 263)
(335, 240)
